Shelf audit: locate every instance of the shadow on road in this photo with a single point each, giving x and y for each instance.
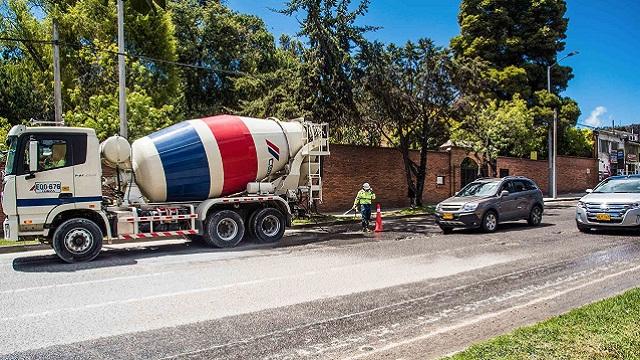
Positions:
(113, 257)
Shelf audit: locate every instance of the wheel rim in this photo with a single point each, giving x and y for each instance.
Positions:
(270, 225)
(490, 222)
(78, 240)
(536, 216)
(227, 229)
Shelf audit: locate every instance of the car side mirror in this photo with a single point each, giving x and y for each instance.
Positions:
(589, 191)
(504, 193)
(33, 156)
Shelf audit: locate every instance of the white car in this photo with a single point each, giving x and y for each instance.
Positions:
(614, 203)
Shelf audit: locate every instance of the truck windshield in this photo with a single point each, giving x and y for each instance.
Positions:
(12, 143)
(629, 185)
(479, 189)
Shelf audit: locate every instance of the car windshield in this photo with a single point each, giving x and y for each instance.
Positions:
(479, 189)
(11, 154)
(628, 185)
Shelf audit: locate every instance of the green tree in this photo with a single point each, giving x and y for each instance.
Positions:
(496, 128)
(518, 38)
(274, 93)
(211, 36)
(406, 96)
(332, 37)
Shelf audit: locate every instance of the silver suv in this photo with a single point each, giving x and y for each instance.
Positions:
(486, 202)
(614, 203)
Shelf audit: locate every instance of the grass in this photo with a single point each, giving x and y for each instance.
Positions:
(609, 329)
(4, 243)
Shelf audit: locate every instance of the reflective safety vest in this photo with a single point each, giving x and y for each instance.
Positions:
(364, 197)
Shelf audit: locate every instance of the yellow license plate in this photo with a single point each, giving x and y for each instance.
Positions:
(603, 217)
(447, 216)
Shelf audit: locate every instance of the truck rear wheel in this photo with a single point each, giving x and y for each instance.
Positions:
(224, 229)
(77, 240)
(268, 225)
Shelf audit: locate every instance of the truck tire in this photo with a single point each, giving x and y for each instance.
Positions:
(77, 240)
(224, 229)
(251, 230)
(268, 225)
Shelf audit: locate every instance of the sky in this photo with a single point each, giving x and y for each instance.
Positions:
(606, 33)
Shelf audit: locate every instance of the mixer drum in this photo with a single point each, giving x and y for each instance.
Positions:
(212, 157)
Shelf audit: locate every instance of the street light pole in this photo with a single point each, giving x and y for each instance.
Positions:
(553, 134)
(122, 89)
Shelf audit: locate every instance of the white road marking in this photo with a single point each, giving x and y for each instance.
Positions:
(496, 314)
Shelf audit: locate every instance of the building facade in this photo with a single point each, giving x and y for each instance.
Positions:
(618, 153)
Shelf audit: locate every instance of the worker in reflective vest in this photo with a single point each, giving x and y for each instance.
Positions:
(364, 199)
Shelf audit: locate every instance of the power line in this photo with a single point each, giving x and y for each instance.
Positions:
(131, 56)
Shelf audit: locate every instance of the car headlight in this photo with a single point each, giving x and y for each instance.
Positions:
(470, 207)
(582, 205)
(438, 207)
(635, 206)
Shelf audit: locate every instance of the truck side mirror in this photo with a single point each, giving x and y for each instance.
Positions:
(33, 156)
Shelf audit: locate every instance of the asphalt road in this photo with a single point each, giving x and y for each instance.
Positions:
(329, 293)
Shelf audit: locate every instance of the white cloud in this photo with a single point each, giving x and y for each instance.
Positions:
(595, 119)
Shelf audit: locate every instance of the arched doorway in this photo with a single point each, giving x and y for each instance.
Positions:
(468, 171)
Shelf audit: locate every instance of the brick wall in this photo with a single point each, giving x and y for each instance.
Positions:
(536, 170)
(576, 174)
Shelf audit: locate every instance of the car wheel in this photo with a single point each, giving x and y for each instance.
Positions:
(224, 229)
(583, 228)
(535, 216)
(446, 229)
(77, 240)
(490, 221)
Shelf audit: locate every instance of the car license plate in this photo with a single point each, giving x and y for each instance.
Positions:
(447, 216)
(603, 217)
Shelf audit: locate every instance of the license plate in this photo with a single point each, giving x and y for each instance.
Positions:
(447, 216)
(603, 217)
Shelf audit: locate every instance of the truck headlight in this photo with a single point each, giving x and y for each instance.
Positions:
(470, 207)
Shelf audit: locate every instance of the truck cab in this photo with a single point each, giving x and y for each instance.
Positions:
(51, 174)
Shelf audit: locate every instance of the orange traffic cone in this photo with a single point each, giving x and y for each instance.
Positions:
(378, 220)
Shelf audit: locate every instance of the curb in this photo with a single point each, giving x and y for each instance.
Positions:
(353, 221)
(23, 248)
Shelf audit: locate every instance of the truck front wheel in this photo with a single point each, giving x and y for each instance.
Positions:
(77, 240)
(224, 229)
(268, 225)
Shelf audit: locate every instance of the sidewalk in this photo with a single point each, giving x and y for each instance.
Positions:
(565, 197)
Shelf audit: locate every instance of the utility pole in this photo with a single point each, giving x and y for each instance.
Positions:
(57, 86)
(553, 134)
(122, 86)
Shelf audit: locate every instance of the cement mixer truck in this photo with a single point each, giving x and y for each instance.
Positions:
(216, 180)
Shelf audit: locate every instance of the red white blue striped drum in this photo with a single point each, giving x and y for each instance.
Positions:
(212, 157)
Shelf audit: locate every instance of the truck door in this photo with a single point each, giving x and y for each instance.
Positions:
(37, 193)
